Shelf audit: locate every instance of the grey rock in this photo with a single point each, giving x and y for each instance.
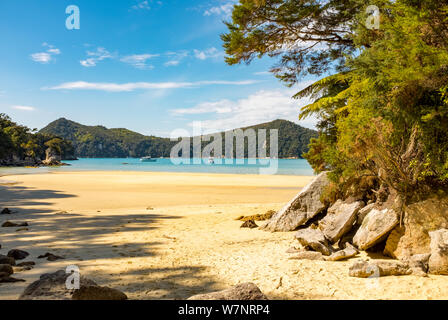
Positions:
(52, 286)
(244, 291)
(364, 211)
(375, 227)
(98, 293)
(50, 257)
(419, 263)
(378, 268)
(304, 206)
(438, 261)
(6, 211)
(418, 220)
(315, 240)
(9, 224)
(7, 260)
(18, 254)
(6, 269)
(249, 224)
(339, 219)
(347, 253)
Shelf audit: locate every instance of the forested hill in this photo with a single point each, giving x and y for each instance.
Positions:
(100, 142)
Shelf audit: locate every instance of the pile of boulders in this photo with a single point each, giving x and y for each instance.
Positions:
(414, 235)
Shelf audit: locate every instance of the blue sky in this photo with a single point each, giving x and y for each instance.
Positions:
(150, 66)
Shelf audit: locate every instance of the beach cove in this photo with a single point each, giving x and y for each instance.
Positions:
(174, 235)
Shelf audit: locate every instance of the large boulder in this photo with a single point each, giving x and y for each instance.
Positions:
(418, 220)
(376, 226)
(304, 206)
(98, 293)
(314, 239)
(339, 219)
(378, 268)
(52, 286)
(244, 291)
(438, 261)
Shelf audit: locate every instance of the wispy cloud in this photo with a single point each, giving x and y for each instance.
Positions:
(223, 10)
(208, 53)
(93, 57)
(132, 86)
(262, 106)
(46, 56)
(139, 60)
(141, 5)
(176, 58)
(24, 108)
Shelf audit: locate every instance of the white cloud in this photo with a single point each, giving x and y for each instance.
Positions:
(171, 63)
(24, 108)
(262, 106)
(224, 10)
(95, 56)
(141, 5)
(47, 56)
(127, 87)
(208, 53)
(139, 60)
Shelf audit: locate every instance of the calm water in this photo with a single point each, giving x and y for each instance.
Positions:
(285, 167)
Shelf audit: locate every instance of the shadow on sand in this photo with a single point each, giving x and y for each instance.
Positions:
(89, 240)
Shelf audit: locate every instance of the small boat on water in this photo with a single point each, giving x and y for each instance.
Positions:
(147, 159)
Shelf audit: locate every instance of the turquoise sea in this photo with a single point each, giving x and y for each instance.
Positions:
(285, 166)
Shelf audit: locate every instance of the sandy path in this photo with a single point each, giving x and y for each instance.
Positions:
(169, 236)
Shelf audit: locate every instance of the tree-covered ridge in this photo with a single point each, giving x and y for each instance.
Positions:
(100, 142)
(384, 110)
(19, 145)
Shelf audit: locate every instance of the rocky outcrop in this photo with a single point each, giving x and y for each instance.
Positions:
(52, 286)
(418, 263)
(339, 219)
(375, 227)
(52, 157)
(305, 205)
(314, 239)
(245, 291)
(378, 268)
(438, 261)
(418, 220)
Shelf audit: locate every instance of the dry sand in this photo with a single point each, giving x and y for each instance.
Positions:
(170, 236)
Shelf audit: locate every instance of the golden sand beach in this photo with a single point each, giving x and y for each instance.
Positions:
(173, 235)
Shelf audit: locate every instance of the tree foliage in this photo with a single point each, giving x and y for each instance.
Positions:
(20, 142)
(383, 110)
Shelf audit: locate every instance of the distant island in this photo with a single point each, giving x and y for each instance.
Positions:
(101, 142)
